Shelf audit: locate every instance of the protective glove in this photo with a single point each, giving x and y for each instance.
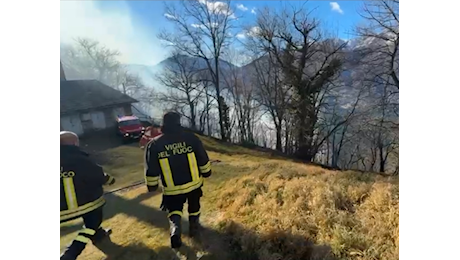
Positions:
(111, 180)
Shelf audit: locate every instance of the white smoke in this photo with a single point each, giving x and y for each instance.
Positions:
(113, 28)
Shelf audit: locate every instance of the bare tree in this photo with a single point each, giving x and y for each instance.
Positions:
(76, 63)
(105, 60)
(371, 141)
(338, 141)
(202, 30)
(334, 120)
(128, 83)
(381, 53)
(354, 154)
(309, 63)
(184, 89)
(377, 68)
(207, 106)
(241, 93)
(289, 140)
(89, 59)
(271, 93)
(132, 85)
(382, 135)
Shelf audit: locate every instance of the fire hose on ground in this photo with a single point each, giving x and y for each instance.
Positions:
(138, 183)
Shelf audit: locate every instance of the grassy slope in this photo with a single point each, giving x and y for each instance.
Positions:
(256, 207)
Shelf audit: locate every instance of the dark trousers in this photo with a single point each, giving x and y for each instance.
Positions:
(174, 204)
(91, 232)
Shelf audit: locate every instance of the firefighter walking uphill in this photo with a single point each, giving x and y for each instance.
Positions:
(81, 194)
(179, 160)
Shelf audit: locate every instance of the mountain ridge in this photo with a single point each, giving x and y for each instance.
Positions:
(147, 72)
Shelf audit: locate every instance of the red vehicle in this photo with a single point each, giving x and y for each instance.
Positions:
(150, 133)
(129, 128)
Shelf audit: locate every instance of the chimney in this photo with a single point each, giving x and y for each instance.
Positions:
(62, 72)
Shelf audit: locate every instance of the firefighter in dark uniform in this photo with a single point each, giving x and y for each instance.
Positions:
(179, 161)
(81, 194)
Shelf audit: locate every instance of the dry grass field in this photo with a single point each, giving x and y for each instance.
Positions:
(255, 206)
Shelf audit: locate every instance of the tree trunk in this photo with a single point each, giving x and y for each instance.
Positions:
(279, 146)
(382, 160)
(396, 171)
(250, 135)
(202, 121)
(338, 150)
(192, 117)
(219, 101)
(334, 153)
(286, 139)
(307, 121)
(208, 124)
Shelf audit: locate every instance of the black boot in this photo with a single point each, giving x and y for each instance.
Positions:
(73, 250)
(175, 227)
(100, 235)
(67, 256)
(194, 226)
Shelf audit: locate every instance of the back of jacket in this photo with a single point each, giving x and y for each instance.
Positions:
(179, 160)
(81, 182)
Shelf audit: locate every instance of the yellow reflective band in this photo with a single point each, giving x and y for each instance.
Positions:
(82, 239)
(87, 231)
(99, 201)
(182, 189)
(110, 179)
(69, 191)
(193, 166)
(88, 207)
(195, 213)
(175, 213)
(206, 171)
(166, 169)
(152, 183)
(205, 168)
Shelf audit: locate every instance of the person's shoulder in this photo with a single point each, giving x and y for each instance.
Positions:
(155, 140)
(83, 160)
(190, 136)
(85, 156)
(75, 153)
(158, 137)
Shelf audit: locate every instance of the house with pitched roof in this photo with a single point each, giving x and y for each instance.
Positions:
(89, 105)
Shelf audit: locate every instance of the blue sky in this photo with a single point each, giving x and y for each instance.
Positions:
(132, 26)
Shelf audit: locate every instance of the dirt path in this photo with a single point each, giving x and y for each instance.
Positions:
(210, 246)
(141, 231)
